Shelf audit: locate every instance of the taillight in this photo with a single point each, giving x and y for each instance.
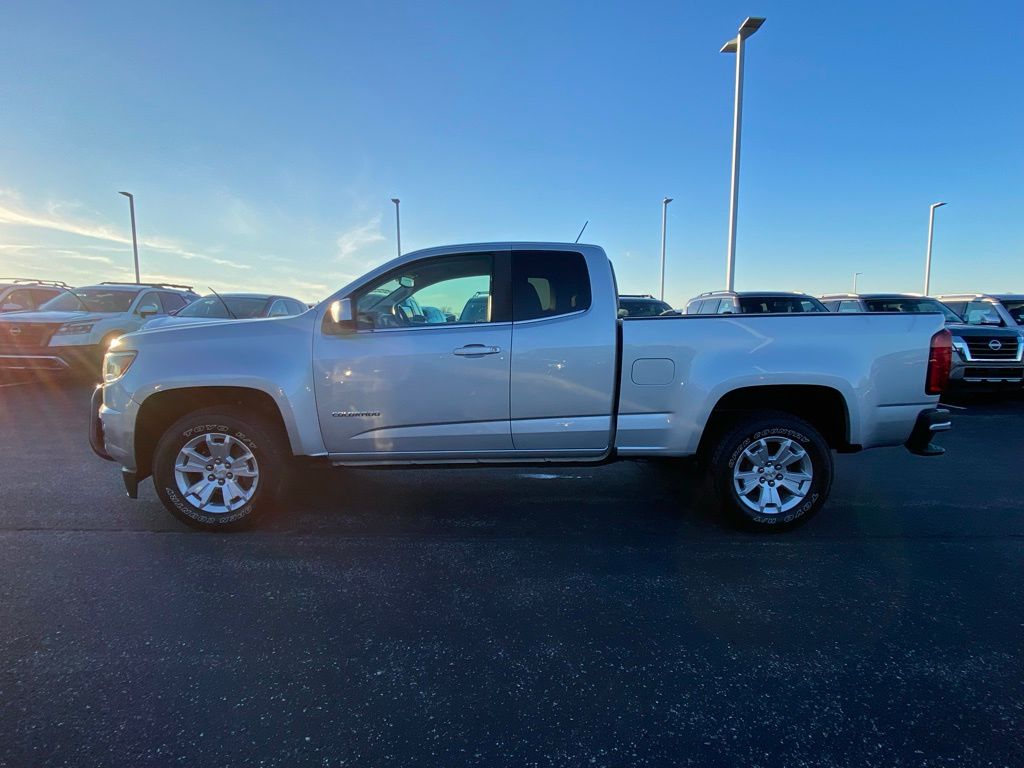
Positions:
(940, 359)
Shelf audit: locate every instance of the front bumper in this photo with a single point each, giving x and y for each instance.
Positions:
(98, 440)
(929, 423)
(51, 358)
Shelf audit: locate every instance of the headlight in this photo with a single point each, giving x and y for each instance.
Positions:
(74, 329)
(116, 364)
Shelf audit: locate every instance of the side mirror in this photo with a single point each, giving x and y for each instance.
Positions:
(148, 311)
(990, 320)
(623, 312)
(340, 317)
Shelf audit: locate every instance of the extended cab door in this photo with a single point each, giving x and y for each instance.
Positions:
(564, 349)
(425, 371)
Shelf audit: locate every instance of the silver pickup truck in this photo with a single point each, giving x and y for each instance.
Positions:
(513, 353)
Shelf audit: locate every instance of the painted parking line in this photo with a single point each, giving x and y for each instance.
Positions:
(14, 384)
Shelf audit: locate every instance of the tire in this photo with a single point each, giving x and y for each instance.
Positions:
(758, 446)
(224, 435)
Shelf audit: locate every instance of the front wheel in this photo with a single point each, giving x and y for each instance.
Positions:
(772, 471)
(219, 468)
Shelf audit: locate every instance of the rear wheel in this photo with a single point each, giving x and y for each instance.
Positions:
(219, 469)
(772, 471)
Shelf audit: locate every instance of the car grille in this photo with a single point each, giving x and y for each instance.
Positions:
(980, 349)
(994, 374)
(24, 337)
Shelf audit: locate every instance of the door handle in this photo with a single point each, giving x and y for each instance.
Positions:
(476, 350)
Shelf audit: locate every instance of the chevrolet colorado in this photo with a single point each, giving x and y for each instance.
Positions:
(526, 361)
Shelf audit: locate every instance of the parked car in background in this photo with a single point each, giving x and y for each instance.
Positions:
(984, 356)
(1002, 309)
(537, 369)
(230, 306)
(18, 294)
(641, 305)
(74, 329)
(752, 303)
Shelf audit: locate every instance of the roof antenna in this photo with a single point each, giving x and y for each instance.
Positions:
(581, 231)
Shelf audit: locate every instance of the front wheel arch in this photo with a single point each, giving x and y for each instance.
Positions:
(161, 409)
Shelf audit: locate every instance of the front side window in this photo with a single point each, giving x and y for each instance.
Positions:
(172, 302)
(849, 306)
(548, 284)
(441, 291)
(1016, 309)
(957, 306)
(779, 305)
(225, 307)
(709, 306)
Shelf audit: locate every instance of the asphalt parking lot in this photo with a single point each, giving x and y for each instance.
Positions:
(512, 616)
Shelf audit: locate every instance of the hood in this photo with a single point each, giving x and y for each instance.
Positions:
(167, 321)
(77, 316)
(965, 331)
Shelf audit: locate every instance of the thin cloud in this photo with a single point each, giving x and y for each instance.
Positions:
(357, 238)
(56, 223)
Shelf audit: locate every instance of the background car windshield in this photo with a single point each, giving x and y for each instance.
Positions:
(912, 305)
(212, 307)
(643, 307)
(91, 299)
(1016, 310)
(769, 304)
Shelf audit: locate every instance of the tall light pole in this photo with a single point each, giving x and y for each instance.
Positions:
(398, 225)
(749, 26)
(135, 239)
(664, 214)
(928, 257)
(855, 276)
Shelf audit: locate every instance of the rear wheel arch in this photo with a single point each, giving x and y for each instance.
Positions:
(162, 409)
(824, 408)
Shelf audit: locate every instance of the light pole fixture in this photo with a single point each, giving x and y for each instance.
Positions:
(398, 225)
(928, 256)
(855, 276)
(135, 239)
(664, 214)
(749, 26)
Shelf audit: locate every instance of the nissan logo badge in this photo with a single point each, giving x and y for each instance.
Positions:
(995, 345)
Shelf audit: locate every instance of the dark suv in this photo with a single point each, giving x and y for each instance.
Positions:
(985, 356)
(641, 305)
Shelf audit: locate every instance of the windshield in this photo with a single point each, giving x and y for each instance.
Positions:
(92, 300)
(643, 307)
(903, 304)
(241, 307)
(752, 305)
(1016, 309)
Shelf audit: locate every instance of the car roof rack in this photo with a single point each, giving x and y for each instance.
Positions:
(635, 296)
(150, 285)
(33, 281)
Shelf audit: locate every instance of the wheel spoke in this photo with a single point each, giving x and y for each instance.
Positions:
(758, 454)
(233, 494)
(243, 471)
(748, 477)
(794, 487)
(218, 448)
(196, 462)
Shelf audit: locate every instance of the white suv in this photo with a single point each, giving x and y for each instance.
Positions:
(74, 329)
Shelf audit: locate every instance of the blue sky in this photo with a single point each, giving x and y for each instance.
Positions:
(263, 141)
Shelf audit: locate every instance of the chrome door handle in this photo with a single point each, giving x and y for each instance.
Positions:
(476, 350)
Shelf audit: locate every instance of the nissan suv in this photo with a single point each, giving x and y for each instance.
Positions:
(73, 330)
(985, 355)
